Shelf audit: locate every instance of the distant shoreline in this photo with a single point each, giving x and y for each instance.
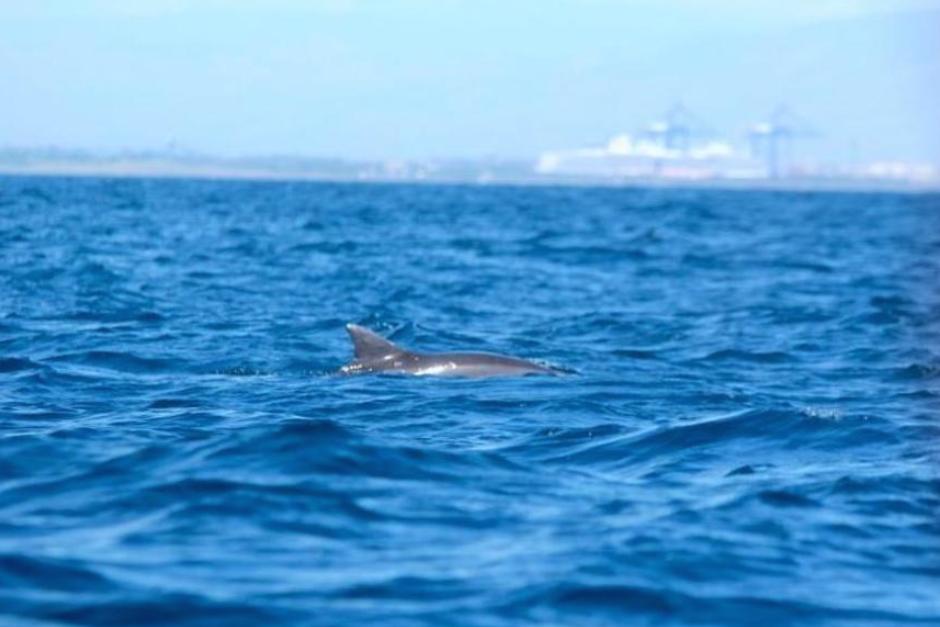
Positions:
(469, 173)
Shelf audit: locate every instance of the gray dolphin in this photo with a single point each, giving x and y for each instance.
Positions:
(376, 354)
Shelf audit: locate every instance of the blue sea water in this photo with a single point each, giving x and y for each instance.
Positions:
(751, 436)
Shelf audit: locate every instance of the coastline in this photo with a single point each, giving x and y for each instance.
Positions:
(452, 173)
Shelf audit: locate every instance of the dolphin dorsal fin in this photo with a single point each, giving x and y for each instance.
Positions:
(370, 345)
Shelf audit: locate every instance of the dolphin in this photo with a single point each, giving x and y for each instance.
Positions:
(376, 354)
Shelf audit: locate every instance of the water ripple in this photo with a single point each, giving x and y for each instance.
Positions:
(750, 436)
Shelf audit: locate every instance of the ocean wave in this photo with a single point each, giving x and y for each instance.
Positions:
(751, 435)
(121, 362)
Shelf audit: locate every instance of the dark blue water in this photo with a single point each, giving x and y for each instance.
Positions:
(752, 435)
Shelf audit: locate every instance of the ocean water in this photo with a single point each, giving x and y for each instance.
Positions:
(751, 436)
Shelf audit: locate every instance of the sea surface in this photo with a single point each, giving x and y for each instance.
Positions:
(752, 434)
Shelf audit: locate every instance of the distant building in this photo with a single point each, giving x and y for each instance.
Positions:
(679, 147)
(625, 157)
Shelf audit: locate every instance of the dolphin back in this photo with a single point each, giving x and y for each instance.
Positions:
(376, 354)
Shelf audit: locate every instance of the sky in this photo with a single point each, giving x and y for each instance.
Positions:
(414, 79)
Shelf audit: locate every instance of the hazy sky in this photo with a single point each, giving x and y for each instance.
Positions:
(431, 78)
